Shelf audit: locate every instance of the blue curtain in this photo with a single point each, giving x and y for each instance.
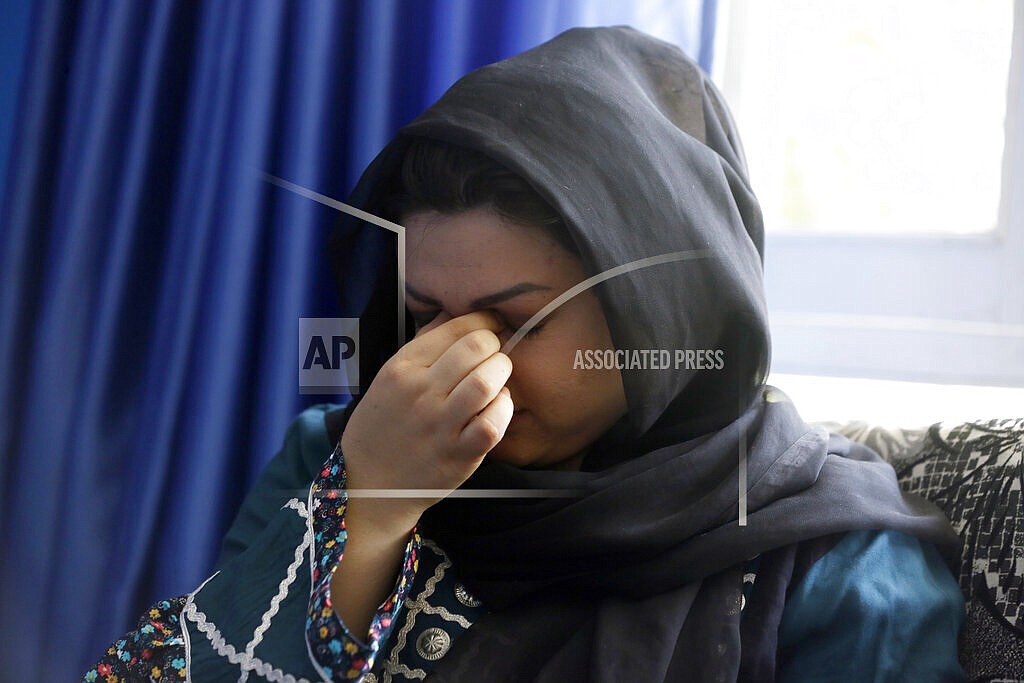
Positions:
(152, 282)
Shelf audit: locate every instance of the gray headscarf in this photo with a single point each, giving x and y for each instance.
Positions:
(634, 147)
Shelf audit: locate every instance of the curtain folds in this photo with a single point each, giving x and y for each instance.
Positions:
(152, 282)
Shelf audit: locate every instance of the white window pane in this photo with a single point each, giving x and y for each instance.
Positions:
(864, 116)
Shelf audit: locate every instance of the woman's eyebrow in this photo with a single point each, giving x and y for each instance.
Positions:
(483, 301)
(505, 294)
(419, 296)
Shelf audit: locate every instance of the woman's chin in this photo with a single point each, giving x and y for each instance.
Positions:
(520, 448)
(516, 452)
(525, 453)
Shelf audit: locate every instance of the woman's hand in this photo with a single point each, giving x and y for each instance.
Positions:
(429, 417)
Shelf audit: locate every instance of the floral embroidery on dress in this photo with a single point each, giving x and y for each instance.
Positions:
(341, 654)
(153, 651)
(156, 649)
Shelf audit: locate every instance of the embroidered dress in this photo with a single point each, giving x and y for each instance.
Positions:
(638, 575)
(154, 650)
(180, 636)
(340, 654)
(430, 609)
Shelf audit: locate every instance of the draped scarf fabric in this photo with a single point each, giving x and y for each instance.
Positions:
(635, 576)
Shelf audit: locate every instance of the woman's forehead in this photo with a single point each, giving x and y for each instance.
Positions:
(479, 242)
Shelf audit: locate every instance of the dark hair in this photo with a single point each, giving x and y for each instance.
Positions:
(439, 176)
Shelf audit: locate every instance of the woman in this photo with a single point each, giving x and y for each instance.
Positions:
(632, 502)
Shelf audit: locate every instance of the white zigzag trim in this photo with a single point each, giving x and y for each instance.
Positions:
(298, 506)
(417, 674)
(247, 661)
(282, 588)
(228, 651)
(443, 612)
(184, 626)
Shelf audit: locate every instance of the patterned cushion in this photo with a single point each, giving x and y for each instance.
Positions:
(973, 472)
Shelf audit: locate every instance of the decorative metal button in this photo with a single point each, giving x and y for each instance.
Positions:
(433, 644)
(463, 596)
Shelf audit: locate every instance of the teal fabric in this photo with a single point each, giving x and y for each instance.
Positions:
(287, 475)
(880, 606)
(265, 549)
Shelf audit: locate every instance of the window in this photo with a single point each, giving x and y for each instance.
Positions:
(886, 141)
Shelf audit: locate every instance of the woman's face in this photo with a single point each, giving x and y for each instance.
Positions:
(476, 259)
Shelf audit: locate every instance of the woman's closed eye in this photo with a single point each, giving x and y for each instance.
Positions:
(533, 331)
(421, 320)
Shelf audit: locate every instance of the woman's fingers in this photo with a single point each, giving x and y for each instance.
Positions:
(452, 375)
(479, 387)
(431, 344)
(461, 359)
(487, 428)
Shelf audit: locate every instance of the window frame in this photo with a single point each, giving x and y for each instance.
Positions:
(936, 308)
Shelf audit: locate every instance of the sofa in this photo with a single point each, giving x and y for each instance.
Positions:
(973, 471)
